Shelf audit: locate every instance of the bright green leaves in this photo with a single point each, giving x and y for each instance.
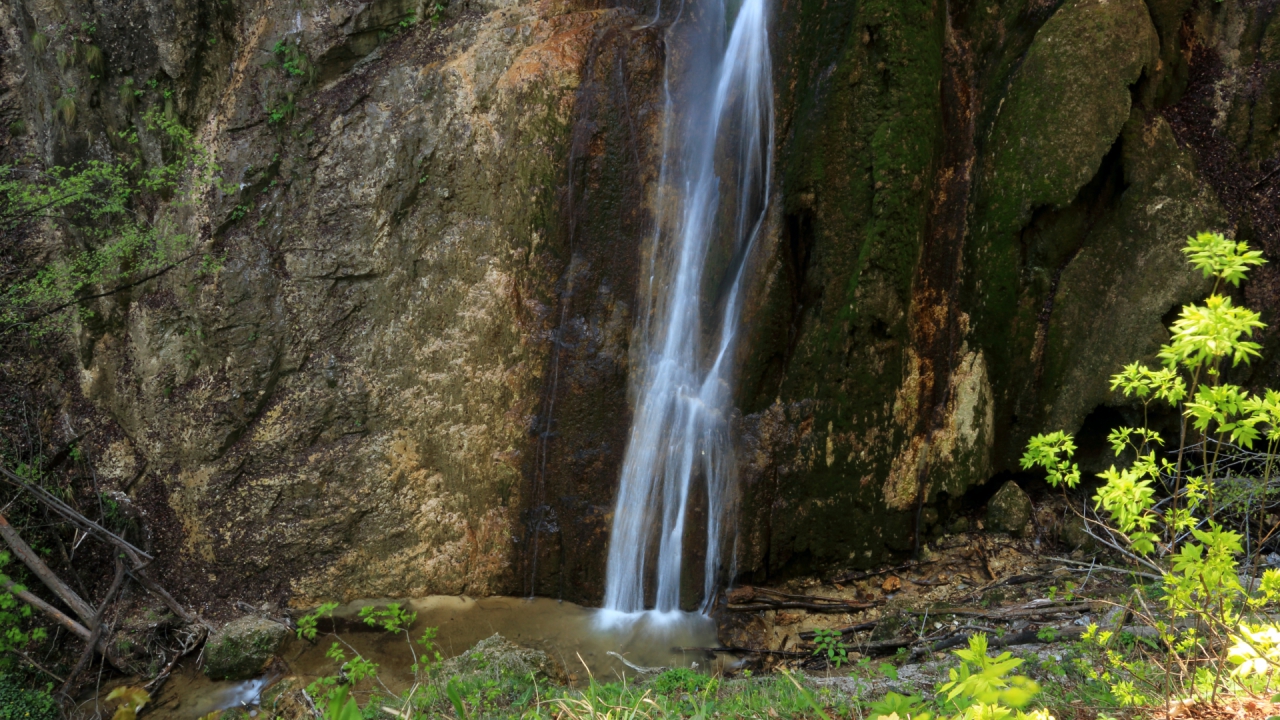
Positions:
(1128, 496)
(341, 706)
(1053, 452)
(307, 623)
(99, 206)
(1225, 408)
(1255, 651)
(14, 616)
(1204, 573)
(981, 688)
(829, 643)
(1137, 439)
(1205, 335)
(1220, 257)
(985, 680)
(1265, 412)
(1139, 381)
(392, 618)
(900, 706)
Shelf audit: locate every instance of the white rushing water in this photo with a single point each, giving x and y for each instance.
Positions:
(712, 196)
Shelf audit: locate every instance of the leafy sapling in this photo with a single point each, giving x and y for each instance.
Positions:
(829, 644)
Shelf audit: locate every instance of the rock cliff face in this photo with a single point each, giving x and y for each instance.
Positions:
(410, 374)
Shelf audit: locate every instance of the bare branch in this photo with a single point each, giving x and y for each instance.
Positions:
(131, 551)
(57, 615)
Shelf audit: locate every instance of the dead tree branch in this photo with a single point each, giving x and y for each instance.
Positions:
(138, 560)
(98, 625)
(42, 571)
(54, 613)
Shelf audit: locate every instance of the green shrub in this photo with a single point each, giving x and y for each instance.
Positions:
(20, 703)
(679, 680)
(1216, 480)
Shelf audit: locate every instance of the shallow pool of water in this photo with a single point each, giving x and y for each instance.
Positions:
(580, 639)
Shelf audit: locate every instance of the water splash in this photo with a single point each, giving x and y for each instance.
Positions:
(713, 191)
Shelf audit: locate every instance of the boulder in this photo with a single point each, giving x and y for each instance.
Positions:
(242, 648)
(1009, 510)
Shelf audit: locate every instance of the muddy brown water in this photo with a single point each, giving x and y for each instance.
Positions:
(578, 638)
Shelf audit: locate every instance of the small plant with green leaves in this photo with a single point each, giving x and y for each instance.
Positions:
(980, 687)
(830, 645)
(291, 58)
(353, 668)
(16, 635)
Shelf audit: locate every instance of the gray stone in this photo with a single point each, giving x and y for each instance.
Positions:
(1074, 535)
(1009, 510)
(242, 648)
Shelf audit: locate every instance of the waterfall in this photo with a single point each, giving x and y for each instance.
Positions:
(712, 194)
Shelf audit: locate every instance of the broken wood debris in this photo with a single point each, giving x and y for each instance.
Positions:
(755, 599)
(856, 576)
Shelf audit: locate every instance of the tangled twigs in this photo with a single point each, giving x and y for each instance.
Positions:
(98, 626)
(138, 560)
(193, 639)
(135, 555)
(42, 571)
(54, 613)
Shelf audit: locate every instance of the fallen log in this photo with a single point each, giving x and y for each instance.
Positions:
(796, 605)
(138, 559)
(42, 571)
(1003, 614)
(54, 613)
(791, 596)
(745, 651)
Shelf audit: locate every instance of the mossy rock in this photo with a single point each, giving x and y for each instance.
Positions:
(1010, 509)
(1066, 105)
(498, 657)
(242, 648)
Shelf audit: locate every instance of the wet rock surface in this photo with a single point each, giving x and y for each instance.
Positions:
(410, 374)
(241, 649)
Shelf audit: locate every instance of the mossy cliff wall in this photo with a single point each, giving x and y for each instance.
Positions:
(410, 375)
(981, 210)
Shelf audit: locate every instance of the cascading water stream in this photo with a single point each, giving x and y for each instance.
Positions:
(712, 197)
